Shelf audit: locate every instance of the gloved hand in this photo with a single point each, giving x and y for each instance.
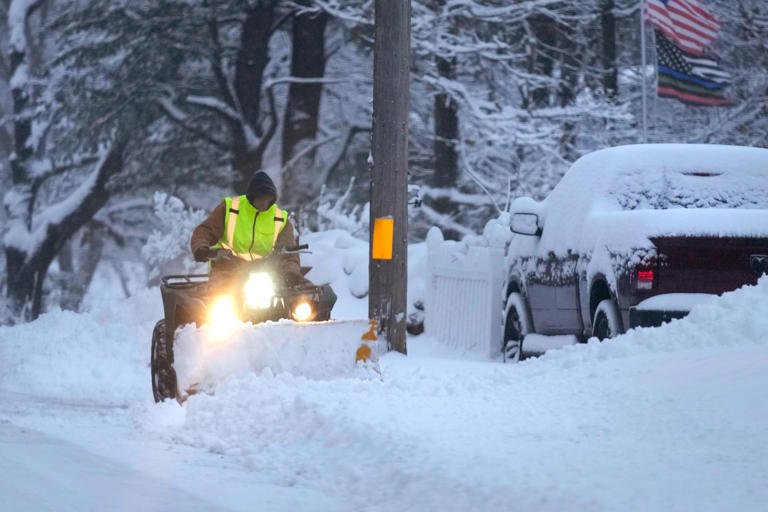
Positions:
(203, 254)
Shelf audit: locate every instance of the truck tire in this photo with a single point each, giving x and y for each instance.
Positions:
(607, 322)
(516, 326)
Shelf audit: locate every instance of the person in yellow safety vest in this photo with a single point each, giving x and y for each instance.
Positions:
(251, 226)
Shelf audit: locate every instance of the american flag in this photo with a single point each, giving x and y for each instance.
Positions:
(685, 22)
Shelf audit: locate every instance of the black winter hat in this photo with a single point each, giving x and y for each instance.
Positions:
(261, 185)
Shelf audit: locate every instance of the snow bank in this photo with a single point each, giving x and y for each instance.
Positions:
(341, 260)
(738, 318)
(101, 355)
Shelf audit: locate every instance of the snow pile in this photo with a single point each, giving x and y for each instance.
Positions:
(338, 259)
(101, 355)
(735, 319)
(317, 350)
(341, 260)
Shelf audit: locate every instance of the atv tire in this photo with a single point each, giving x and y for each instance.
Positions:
(163, 374)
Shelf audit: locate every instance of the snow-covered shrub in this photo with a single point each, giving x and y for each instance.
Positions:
(339, 213)
(167, 248)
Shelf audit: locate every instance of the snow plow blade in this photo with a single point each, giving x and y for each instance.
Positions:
(315, 350)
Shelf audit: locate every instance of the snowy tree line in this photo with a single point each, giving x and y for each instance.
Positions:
(105, 102)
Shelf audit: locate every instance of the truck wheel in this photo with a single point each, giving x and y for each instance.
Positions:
(516, 326)
(607, 322)
(163, 374)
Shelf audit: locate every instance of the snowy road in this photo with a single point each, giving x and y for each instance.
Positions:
(42, 472)
(665, 419)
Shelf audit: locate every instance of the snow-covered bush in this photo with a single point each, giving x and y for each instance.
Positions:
(339, 213)
(167, 248)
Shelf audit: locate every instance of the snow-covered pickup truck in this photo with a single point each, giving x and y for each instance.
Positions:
(635, 236)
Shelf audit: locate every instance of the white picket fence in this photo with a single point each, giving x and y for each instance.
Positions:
(463, 296)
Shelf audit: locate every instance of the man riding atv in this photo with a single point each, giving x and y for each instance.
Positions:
(251, 227)
(255, 277)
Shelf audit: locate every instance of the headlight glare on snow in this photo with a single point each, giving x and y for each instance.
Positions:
(259, 290)
(222, 318)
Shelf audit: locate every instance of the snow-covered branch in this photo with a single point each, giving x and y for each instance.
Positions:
(325, 174)
(43, 169)
(354, 13)
(455, 196)
(182, 119)
(271, 128)
(444, 221)
(78, 207)
(18, 13)
(309, 148)
(214, 105)
(297, 80)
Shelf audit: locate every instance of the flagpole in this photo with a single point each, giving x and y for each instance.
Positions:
(642, 72)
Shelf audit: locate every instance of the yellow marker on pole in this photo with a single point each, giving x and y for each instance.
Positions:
(383, 238)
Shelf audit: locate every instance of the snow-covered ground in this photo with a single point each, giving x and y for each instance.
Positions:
(672, 418)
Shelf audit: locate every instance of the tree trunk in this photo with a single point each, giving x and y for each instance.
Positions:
(252, 59)
(20, 285)
(446, 172)
(303, 106)
(445, 110)
(22, 121)
(540, 62)
(610, 71)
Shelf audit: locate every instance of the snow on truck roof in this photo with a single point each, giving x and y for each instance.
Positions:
(683, 157)
(622, 196)
(623, 172)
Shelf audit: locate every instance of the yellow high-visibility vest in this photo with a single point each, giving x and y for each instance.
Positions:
(249, 233)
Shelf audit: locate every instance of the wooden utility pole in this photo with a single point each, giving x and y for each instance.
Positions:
(388, 276)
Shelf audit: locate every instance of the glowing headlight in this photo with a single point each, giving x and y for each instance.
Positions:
(259, 290)
(222, 318)
(302, 312)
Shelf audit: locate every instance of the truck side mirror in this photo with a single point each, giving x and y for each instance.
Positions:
(526, 224)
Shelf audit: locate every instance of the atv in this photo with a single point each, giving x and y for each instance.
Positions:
(248, 291)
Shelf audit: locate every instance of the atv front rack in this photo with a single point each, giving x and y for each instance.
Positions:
(182, 281)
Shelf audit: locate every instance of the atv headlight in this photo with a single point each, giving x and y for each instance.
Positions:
(302, 312)
(259, 290)
(222, 318)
